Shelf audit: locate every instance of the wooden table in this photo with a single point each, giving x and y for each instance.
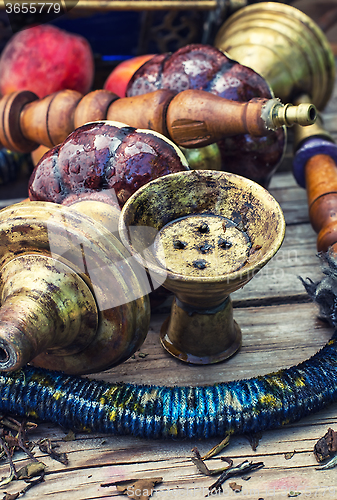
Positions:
(280, 328)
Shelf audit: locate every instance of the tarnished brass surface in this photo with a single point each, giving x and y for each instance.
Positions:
(60, 238)
(201, 341)
(285, 46)
(207, 233)
(277, 115)
(44, 306)
(315, 130)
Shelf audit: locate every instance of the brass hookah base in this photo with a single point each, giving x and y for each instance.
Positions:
(201, 335)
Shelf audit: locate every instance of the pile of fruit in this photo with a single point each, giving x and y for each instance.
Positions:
(45, 59)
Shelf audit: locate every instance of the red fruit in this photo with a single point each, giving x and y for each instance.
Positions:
(45, 59)
(103, 161)
(120, 76)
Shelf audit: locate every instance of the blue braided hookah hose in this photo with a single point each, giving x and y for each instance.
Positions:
(150, 411)
(239, 406)
(242, 406)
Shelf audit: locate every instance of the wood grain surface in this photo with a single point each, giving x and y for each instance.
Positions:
(280, 327)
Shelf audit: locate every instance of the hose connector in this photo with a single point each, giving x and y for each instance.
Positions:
(276, 114)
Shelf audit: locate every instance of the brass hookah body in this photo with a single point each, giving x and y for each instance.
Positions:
(190, 118)
(310, 384)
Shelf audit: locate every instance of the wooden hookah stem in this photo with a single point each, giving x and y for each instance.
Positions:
(192, 118)
(315, 168)
(321, 181)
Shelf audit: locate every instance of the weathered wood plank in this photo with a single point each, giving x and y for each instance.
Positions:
(273, 337)
(104, 459)
(279, 278)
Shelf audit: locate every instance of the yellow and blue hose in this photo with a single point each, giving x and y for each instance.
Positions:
(241, 406)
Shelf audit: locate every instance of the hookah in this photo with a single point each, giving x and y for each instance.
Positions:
(240, 406)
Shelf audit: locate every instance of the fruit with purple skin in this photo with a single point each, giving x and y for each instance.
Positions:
(106, 161)
(204, 67)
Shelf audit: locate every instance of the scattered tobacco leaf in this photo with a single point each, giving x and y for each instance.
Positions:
(13, 438)
(12, 441)
(30, 470)
(235, 487)
(71, 436)
(254, 439)
(11, 496)
(238, 470)
(289, 455)
(143, 354)
(28, 473)
(330, 465)
(12, 472)
(138, 489)
(46, 446)
(202, 467)
(7, 480)
(218, 448)
(293, 494)
(326, 446)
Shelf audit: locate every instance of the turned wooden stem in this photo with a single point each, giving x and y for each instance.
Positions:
(197, 118)
(192, 118)
(321, 183)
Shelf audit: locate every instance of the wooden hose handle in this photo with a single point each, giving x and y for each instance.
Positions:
(321, 182)
(192, 118)
(315, 168)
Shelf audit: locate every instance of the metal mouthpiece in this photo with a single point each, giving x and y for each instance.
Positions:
(277, 114)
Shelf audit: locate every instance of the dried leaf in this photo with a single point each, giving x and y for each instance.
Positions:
(143, 354)
(71, 436)
(46, 446)
(217, 449)
(289, 455)
(254, 439)
(30, 470)
(11, 496)
(330, 465)
(138, 489)
(235, 487)
(326, 446)
(11, 441)
(239, 470)
(202, 467)
(7, 480)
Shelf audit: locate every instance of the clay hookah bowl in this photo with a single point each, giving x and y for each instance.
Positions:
(206, 233)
